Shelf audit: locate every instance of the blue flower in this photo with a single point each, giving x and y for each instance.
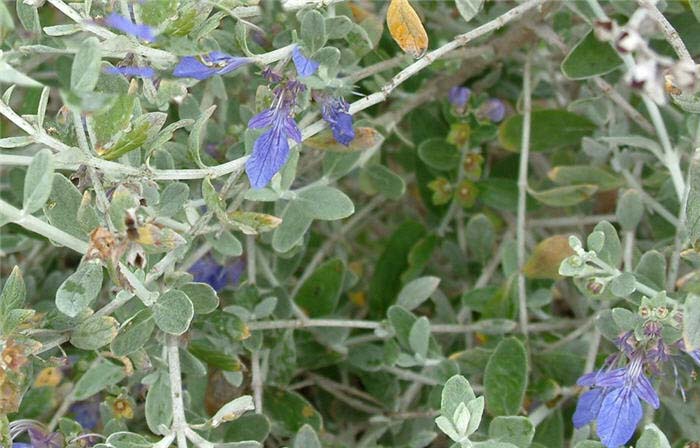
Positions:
(218, 276)
(203, 67)
(305, 66)
(21, 445)
(459, 96)
(41, 439)
(125, 25)
(87, 413)
(335, 113)
(141, 72)
(494, 109)
(614, 402)
(271, 149)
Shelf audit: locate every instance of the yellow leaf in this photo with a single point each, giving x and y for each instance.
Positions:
(546, 258)
(406, 28)
(365, 138)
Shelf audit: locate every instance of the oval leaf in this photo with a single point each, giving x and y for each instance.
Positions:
(406, 28)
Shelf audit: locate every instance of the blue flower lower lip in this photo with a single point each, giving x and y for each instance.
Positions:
(125, 25)
(206, 66)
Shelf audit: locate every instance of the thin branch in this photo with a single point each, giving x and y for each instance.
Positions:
(179, 422)
(671, 34)
(522, 194)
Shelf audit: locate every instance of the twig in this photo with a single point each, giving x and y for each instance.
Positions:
(671, 34)
(522, 195)
(179, 422)
(256, 381)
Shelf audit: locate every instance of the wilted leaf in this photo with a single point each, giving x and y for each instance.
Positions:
(406, 28)
(564, 196)
(365, 138)
(154, 238)
(547, 256)
(252, 223)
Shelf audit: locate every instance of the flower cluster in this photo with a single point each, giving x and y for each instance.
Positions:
(651, 73)
(218, 276)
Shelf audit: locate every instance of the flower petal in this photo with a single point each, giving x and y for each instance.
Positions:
(292, 130)
(262, 120)
(646, 392)
(342, 129)
(612, 378)
(123, 24)
(620, 412)
(270, 153)
(191, 67)
(587, 407)
(233, 64)
(141, 72)
(305, 66)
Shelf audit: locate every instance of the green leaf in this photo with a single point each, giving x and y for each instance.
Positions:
(10, 75)
(385, 181)
(611, 251)
(294, 225)
(29, 17)
(79, 290)
(173, 312)
(62, 206)
(693, 208)
(651, 270)
(306, 438)
(691, 322)
(419, 337)
(172, 199)
(585, 174)
(438, 154)
(652, 437)
(94, 333)
(99, 376)
(457, 390)
(590, 57)
(313, 30)
(125, 439)
(134, 333)
(386, 281)
(289, 410)
(417, 291)
(623, 285)
(468, 9)
(86, 66)
(564, 196)
(38, 181)
(513, 429)
(624, 319)
(159, 408)
(630, 210)
(402, 321)
(318, 295)
(480, 236)
(551, 129)
(204, 298)
(325, 203)
(248, 427)
(13, 293)
(505, 378)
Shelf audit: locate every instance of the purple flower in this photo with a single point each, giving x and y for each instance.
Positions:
(203, 67)
(125, 25)
(305, 66)
(21, 445)
(335, 113)
(459, 96)
(208, 270)
(41, 439)
(271, 149)
(494, 109)
(87, 413)
(614, 401)
(141, 72)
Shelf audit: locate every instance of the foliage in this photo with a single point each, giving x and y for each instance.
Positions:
(342, 223)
